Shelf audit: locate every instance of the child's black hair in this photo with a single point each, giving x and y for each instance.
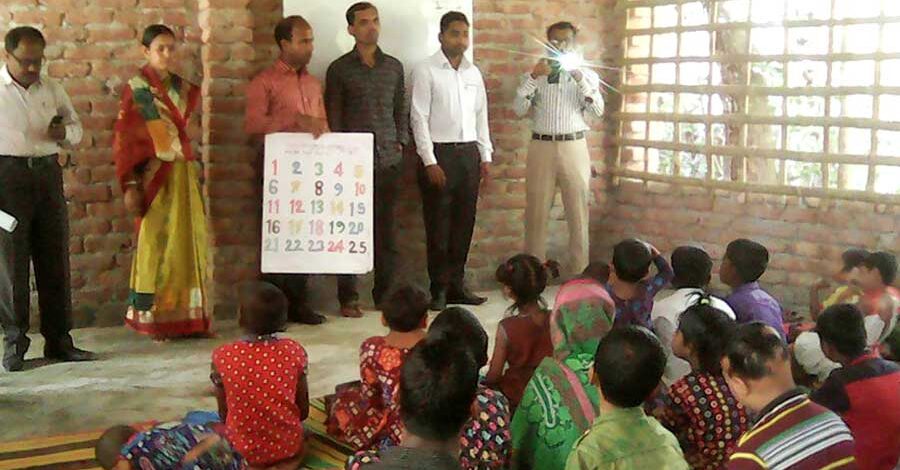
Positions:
(527, 278)
(707, 331)
(885, 263)
(438, 383)
(753, 346)
(631, 260)
(405, 308)
(842, 326)
(692, 266)
(749, 258)
(628, 365)
(263, 308)
(109, 447)
(854, 258)
(461, 324)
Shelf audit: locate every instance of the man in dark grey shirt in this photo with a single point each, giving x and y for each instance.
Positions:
(365, 92)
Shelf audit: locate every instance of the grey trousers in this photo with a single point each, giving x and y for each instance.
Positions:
(31, 190)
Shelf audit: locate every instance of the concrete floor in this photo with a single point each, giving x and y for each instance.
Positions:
(139, 380)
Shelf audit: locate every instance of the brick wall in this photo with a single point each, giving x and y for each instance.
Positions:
(94, 49)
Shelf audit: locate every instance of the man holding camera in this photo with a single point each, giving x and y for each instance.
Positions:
(562, 96)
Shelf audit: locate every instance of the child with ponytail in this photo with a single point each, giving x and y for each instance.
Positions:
(523, 339)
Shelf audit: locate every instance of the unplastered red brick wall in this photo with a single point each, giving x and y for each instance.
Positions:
(804, 236)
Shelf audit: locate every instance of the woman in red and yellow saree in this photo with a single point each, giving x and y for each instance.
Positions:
(160, 178)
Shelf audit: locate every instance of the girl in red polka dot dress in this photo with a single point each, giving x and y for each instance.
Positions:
(261, 384)
(366, 414)
(699, 408)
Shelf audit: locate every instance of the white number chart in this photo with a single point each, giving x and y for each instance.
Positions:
(317, 204)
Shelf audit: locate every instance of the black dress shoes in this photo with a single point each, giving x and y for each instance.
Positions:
(465, 297)
(306, 316)
(69, 354)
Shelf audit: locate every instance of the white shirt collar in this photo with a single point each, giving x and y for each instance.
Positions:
(442, 61)
(6, 78)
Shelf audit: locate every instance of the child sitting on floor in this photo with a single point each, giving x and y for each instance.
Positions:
(177, 446)
(523, 340)
(846, 276)
(485, 441)
(366, 415)
(699, 408)
(438, 383)
(260, 383)
(744, 263)
(881, 301)
(628, 286)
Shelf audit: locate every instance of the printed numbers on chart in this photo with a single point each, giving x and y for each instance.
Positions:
(296, 227)
(293, 246)
(337, 207)
(356, 228)
(358, 248)
(360, 189)
(336, 247)
(317, 227)
(273, 226)
(274, 206)
(358, 171)
(271, 244)
(273, 187)
(358, 208)
(274, 167)
(338, 189)
(298, 168)
(320, 187)
(316, 246)
(295, 186)
(297, 206)
(320, 169)
(318, 206)
(339, 169)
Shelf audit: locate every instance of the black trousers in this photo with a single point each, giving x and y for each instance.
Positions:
(31, 190)
(386, 189)
(450, 214)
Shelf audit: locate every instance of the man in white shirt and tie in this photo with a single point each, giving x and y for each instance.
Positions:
(562, 102)
(450, 125)
(36, 121)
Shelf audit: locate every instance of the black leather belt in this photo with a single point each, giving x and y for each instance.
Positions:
(33, 162)
(453, 144)
(558, 137)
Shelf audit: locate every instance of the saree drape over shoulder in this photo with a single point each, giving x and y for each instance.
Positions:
(167, 296)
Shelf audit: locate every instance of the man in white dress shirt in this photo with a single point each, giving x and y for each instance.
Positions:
(693, 271)
(450, 125)
(36, 120)
(562, 102)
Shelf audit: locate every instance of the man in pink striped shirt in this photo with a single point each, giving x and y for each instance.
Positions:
(286, 98)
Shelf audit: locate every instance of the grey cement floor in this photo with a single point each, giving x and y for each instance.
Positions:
(139, 380)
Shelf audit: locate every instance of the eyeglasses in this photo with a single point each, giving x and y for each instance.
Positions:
(28, 63)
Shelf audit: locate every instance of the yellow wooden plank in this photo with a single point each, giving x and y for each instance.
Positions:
(50, 459)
